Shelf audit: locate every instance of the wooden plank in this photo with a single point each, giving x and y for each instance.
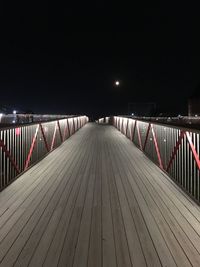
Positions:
(71, 235)
(95, 247)
(82, 247)
(108, 240)
(136, 253)
(165, 230)
(55, 249)
(184, 204)
(25, 197)
(122, 249)
(27, 223)
(159, 242)
(182, 229)
(40, 238)
(149, 251)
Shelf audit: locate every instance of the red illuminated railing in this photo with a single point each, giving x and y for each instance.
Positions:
(22, 146)
(175, 150)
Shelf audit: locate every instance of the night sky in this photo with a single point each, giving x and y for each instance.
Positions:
(56, 59)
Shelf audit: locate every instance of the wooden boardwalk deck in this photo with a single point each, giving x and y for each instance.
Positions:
(97, 201)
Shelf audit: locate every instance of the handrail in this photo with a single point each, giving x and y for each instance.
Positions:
(23, 145)
(11, 120)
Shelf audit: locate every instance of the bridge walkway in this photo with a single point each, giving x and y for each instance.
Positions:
(97, 200)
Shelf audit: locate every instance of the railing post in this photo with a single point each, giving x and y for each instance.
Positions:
(54, 135)
(61, 138)
(147, 135)
(139, 137)
(127, 126)
(31, 148)
(44, 137)
(157, 148)
(133, 134)
(194, 152)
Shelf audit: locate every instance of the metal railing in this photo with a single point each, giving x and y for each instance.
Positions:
(175, 150)
(22, 146)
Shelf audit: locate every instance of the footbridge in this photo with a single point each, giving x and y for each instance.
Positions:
(120, 192)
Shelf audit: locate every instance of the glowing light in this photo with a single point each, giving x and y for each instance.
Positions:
(17, 131)
(117, 83)
(1, 115)
(14, 112)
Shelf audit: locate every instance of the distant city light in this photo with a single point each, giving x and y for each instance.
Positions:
(132, 114)
(13, 121)
(14, 112)
(117, 83)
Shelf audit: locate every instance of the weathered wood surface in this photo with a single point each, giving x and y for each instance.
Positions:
(97, 201)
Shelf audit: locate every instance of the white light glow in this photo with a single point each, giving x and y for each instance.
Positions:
(1, 115)
(14, 112)
(117, 83)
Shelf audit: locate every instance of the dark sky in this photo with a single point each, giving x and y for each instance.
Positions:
(65, 59)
